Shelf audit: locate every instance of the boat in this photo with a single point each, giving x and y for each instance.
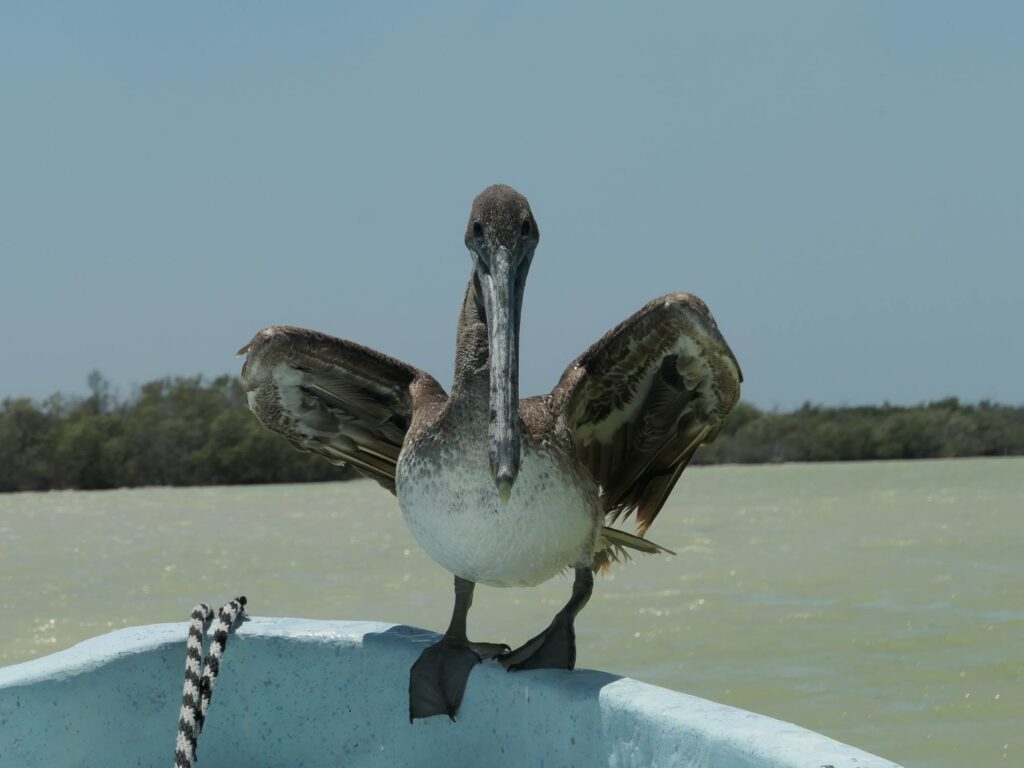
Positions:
(312, 693)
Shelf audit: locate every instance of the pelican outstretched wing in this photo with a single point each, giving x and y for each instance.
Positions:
(346, 402)
(641, 400)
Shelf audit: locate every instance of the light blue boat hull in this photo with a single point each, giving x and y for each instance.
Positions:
(297, 692)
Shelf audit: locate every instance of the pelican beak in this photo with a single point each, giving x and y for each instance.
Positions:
(502, 287)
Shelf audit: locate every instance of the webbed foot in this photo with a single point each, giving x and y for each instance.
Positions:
(554, 648)
(438, 679)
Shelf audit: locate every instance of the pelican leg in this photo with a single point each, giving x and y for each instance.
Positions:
(438, 679)
(555, 647)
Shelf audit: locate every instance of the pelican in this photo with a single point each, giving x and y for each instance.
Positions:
(498, 490)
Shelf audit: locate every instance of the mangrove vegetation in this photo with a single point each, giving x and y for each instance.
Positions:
(193, 431)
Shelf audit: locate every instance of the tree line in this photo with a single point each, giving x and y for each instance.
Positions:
(173, 431)
(191, 431)
(942, 429)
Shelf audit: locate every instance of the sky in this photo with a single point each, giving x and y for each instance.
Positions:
(841, 182)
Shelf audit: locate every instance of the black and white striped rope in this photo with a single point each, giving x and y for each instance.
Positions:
(228, 615)
(197, 692)
(188, 727)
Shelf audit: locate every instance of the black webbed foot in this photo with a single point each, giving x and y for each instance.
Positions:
(438, 679)
(554, 648)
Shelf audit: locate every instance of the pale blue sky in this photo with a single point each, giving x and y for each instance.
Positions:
(842, 182)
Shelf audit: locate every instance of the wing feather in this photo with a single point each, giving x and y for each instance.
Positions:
(348, 403)
(641, 401)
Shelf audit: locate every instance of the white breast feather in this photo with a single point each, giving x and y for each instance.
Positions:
(454, 512)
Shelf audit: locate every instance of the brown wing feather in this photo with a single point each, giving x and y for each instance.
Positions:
(641, 401)
(348, 403)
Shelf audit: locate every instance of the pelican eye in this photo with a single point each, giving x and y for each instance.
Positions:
(527, 227)
(478, 229)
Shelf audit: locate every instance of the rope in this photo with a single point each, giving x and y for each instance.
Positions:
(188, 730)
(211, 669)
(197, 691)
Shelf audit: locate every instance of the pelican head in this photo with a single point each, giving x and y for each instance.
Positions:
(501, 236)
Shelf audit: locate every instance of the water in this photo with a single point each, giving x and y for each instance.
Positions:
(879, 603)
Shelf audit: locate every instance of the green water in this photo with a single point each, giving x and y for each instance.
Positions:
(879, 603)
